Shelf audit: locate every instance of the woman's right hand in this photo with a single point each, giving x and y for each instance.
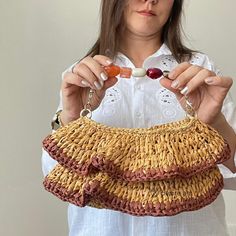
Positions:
(88, 73)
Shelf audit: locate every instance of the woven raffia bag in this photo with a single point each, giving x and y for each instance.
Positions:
(157, 171)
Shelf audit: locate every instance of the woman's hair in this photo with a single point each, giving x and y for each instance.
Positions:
(112, 25)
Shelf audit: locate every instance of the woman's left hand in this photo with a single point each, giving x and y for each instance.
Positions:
(205, 91)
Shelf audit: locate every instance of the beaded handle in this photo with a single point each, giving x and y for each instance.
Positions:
(125, 72)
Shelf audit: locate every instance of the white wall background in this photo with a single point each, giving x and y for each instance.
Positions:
(38, 40)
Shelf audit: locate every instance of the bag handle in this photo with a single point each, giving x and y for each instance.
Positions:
(87, 111)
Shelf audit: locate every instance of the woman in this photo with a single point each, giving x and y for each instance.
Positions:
(146, 33)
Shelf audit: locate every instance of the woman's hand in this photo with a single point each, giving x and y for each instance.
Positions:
(88, 73)
(205, 90)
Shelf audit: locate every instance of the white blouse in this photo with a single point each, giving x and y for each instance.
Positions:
(140, 103)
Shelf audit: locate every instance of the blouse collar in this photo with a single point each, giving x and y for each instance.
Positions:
(163, 50)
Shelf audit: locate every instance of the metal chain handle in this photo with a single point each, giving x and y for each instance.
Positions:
(87, 111)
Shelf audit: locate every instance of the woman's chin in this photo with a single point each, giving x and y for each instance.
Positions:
(146, 33)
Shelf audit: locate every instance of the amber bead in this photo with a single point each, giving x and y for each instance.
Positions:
(112, 70)
(154, 73)
(125, 72)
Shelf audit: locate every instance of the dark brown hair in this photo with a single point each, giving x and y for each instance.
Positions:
(112, 24)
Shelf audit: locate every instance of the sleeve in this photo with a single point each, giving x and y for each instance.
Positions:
(47, 162)
(229, 111)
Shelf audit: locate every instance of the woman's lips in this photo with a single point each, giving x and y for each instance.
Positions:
(147, 13)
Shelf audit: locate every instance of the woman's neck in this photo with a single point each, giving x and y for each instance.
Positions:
(138, 48)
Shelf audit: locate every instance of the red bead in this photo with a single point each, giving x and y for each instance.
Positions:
(154, 73)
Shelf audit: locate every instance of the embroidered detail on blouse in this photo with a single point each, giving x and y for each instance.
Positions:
(165, 97)
(195, 59)
(169, 104)
(169, 112)
(112, 96)
(167, 60)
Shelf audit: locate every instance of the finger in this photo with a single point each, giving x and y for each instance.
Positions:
(185, 77)
(72, 79)
(167, 84)
(178, 70)
(107, 84)
(88, 75)
(103, 60)
(75, 79)
(96, 68)
(196, 81)
(72, 68)
(225, 82)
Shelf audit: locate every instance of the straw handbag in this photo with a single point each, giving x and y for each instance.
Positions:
(158, 171)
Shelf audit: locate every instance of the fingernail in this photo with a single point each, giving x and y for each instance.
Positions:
(109, 62)
(101, 82)
(175, 84)
(97, 85)
(184, 91)
(104, 76)
(209, 80)
(85, 83)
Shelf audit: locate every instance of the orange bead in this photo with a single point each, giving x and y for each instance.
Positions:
(112, 70)
(125, 72)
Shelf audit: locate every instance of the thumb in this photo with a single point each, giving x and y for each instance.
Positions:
(107, 84)
(110, 82)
